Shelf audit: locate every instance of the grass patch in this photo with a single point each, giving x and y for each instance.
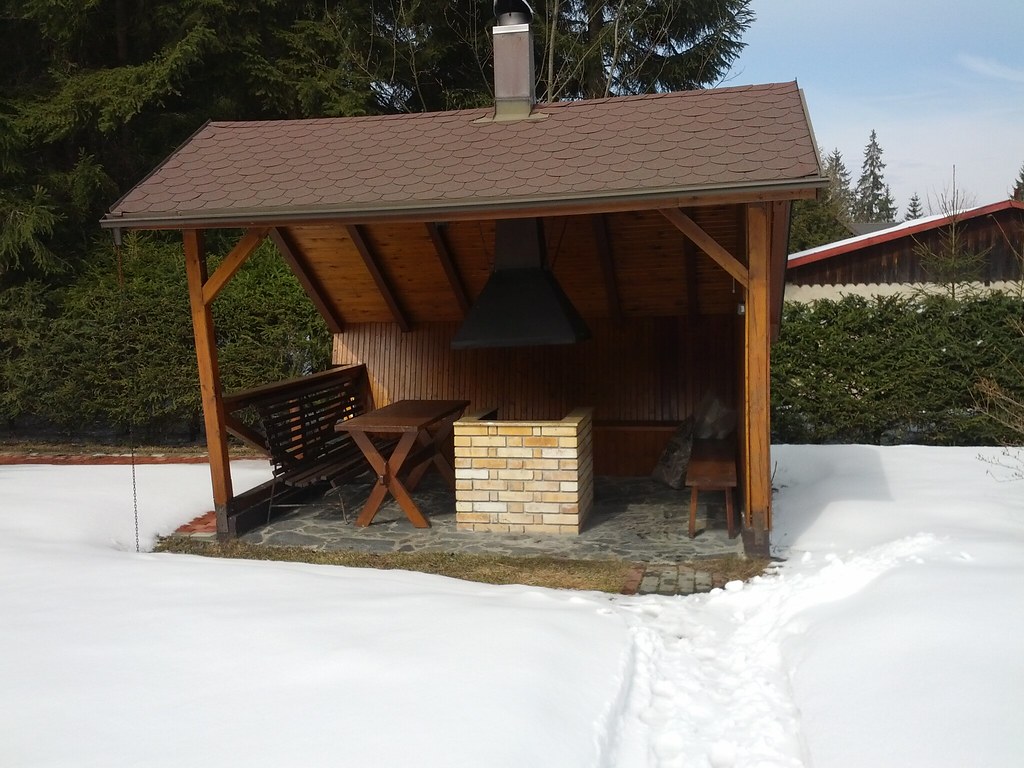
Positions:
(599, 575)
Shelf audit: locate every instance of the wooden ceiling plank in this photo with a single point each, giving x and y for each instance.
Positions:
(233, 262)
(298, 264)
(444, 254)
(356, 234)
(607, 259)
(708, 244)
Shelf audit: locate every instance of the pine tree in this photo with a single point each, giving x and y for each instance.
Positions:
(873, 198)
(914, 209)
(1018, 187)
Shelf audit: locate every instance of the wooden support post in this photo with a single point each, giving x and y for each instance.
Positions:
(756, 379)
(209, 378)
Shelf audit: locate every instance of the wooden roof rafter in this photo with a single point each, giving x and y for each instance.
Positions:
(444, 254)
(371, 261)
(299, 265)
(708, 244)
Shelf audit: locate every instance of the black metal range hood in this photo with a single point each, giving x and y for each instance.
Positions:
(521, 304)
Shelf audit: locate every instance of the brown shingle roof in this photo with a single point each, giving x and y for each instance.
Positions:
(752, 136)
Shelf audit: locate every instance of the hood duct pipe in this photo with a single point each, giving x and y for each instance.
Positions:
(521, 304)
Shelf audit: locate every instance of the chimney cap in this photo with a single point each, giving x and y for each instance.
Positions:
(512, 12)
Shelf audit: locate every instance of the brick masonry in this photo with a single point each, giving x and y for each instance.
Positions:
(524, 476)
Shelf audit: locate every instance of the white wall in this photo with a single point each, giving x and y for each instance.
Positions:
(809, 293)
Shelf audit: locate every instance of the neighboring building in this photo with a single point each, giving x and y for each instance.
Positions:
(889, 261)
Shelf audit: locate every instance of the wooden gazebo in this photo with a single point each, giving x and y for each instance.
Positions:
(665, 219)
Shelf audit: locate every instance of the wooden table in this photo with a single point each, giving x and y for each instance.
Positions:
(421, 424)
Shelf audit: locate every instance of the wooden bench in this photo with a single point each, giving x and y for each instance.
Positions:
(298, 418)
(712, 467)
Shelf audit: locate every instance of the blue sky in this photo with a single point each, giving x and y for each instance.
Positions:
(942, 83)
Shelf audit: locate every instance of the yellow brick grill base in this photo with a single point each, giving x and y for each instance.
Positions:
(524, 476)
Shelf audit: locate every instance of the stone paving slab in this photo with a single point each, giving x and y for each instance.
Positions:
(682, 579)
(636, 520)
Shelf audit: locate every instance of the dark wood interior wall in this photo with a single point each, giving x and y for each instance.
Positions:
(635, 375)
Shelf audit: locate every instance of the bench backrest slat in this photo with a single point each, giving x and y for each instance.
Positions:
(299, 418)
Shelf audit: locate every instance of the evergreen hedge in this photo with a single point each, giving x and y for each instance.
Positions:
(96, 356)
(104, 353)
(893, 369)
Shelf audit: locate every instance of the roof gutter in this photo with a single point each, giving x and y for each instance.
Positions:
(499, 208)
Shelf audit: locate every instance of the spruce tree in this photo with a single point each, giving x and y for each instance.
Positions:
(827, 219)
(1018, 187)
(841, 185)
(873, 198)
(584, 49)
(914, 208)
(595, 48)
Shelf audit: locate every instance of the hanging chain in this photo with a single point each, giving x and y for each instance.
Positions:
(135, 487)
(131, 417)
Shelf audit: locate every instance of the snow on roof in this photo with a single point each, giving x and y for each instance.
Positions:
(903, 229)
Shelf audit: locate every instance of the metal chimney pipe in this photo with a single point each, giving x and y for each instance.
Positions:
(513, 60)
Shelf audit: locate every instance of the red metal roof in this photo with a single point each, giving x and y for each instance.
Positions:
(897, 231)
(752, 137)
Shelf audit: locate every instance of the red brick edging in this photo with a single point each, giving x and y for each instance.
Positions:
(206, 523)
(86, 459)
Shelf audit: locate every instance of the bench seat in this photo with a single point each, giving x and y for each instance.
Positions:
(298, 419)
(712, 467)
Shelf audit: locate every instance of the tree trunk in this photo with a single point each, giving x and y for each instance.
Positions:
(593, 66)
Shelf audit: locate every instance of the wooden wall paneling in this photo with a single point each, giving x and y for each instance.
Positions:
(648, 270)
(606, 257)
(573, 259)
(707, 243)
(693, 316)
(634, 372)
(629, 450)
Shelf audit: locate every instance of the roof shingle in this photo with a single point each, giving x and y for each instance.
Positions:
(674, 143)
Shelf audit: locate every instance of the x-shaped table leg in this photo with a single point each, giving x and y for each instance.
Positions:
(387, 479)
(438, 459)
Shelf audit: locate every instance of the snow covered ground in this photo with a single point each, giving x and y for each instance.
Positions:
(891, 636)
